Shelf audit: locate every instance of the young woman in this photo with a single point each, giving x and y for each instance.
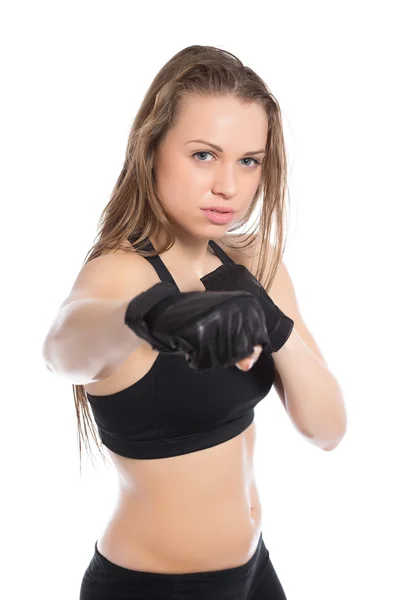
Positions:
(160, 328)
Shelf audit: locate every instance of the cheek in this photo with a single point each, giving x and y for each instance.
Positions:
(190, 176)
(181, 183)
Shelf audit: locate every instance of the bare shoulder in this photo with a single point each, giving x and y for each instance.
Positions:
(113, 275)
(246, 255)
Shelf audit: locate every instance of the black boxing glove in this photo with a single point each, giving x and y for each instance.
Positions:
(214, 329)
(235, 277)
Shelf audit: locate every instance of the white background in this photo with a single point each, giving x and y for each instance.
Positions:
(73, 76)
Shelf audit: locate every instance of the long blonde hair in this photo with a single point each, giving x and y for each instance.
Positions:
(134, 206)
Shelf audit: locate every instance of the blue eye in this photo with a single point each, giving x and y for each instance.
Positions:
(195, 154)
(255, 161)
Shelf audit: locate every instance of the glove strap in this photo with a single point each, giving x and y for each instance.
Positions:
(281, 332)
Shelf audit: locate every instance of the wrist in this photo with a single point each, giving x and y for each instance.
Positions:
(281, 332)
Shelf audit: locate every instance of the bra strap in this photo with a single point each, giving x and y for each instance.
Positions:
(162, 270)
(157, 263)
(220, 253)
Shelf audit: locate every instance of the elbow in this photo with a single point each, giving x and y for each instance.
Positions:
(331, 445)
(46, 354)
(341, 429)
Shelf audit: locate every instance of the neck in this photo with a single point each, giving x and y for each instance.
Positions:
(188, 253)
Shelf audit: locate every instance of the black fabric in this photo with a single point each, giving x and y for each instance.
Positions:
(174, 409)
(254, 580)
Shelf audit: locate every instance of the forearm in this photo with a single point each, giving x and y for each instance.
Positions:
(313, 397)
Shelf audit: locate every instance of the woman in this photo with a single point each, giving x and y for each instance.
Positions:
(171, 338)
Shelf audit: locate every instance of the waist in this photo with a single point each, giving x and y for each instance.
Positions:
(182, 539)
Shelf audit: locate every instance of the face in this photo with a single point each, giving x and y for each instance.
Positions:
(191, 176)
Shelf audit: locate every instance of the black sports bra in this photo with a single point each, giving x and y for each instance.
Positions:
(174, 409)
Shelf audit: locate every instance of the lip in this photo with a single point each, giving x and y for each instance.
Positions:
(222, 209)
(218, 218)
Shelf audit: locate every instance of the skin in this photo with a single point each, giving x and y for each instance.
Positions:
(193, 175)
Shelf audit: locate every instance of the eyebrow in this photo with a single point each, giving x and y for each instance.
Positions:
(219, 149)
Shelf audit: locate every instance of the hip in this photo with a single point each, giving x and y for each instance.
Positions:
(251, 580)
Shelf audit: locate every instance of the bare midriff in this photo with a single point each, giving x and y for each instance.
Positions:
(184, 514)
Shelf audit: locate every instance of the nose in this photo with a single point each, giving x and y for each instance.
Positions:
(224, 182)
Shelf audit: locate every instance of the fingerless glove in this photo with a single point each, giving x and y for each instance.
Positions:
(214, 329)
(234, 276)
